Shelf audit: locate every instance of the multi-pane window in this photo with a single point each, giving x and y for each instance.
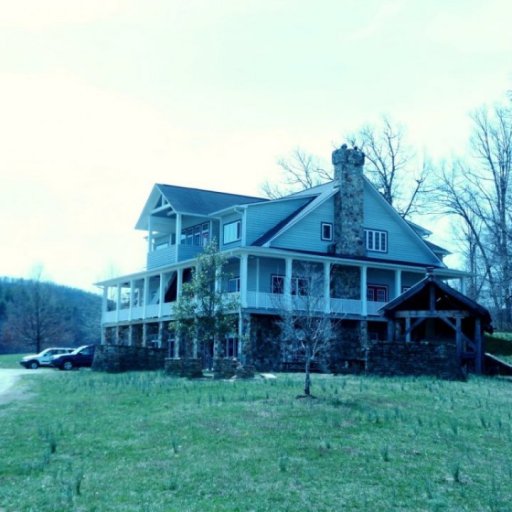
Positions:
(326, 231)
(377, 293)
(376, 240)
(234, 284)
(232, 232)
(198, 235)
(299, 285)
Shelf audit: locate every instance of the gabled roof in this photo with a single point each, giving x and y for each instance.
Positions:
(192, 201)
(447, 298)
(202, 202)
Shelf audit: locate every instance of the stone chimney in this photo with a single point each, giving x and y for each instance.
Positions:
(348, 202)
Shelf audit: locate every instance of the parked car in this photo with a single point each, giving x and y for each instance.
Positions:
(44, 358)
(81, 357)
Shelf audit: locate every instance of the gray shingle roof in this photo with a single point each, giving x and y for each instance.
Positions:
(202, 202)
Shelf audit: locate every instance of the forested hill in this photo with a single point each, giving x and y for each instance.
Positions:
(36, 314)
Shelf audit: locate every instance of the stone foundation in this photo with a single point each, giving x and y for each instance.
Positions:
(188, 367)
(419, 358)
(123, 358)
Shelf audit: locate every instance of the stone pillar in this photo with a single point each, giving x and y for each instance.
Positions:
(349, 201)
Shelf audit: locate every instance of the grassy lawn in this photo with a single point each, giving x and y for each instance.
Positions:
(500, 344)
(85, 441)
(11, 361)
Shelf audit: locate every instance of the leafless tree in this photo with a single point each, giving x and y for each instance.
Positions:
(300, 171)
(306, 330)
(392, 165)
(34, 318)
(478, 194)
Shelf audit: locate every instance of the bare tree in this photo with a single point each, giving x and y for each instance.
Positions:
(392, 165)
(306, 330)
(478, 194)
(300, 171)
(34, 318)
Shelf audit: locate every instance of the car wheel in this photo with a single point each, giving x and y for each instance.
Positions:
(33, 365)
(68, 365)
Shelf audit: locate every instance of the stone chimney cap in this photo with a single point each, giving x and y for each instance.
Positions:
(343, 155)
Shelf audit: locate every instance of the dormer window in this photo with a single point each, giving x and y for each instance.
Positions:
(376, 241)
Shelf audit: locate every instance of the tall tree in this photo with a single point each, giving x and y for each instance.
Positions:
(34, 318)
(478, 194)
(391, 164)
(205, 313)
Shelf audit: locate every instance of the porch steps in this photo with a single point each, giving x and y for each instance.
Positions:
(496, 366)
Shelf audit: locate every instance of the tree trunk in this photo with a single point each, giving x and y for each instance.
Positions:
(307, 378)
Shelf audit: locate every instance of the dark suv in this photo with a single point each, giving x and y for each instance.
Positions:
(82, 357)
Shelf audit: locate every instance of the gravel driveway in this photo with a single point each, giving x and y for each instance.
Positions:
(8, 380)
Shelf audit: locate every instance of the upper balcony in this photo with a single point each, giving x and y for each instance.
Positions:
(172, 254)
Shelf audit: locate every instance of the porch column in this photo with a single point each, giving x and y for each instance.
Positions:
(161, 295)
(257, 281)
(118, 301)
(178, 229)
(179, 282)
(145, 296)
(243, 279)
(398, 282)
(463, 286)
(144, 335)
(288, 283)
(327, 287)
(364, 293)
(150, 236)
(130, 312)
(130, 335)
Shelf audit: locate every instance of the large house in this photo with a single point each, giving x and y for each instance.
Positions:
(365, 253)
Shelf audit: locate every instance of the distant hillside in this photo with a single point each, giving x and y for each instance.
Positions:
(75, 314)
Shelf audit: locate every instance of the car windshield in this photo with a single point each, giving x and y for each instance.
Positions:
(79, 349)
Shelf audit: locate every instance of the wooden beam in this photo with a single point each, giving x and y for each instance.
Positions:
(479, 357)
(432, 314)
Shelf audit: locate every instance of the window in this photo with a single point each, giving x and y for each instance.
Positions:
(234, 284)
(277, 284)
(376, 240)
(232, 232)
(300, 285)
(326, 231)
(377, 293)
(198, 235)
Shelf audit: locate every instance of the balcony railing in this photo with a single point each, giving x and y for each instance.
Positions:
(172, 254)
(255, 300)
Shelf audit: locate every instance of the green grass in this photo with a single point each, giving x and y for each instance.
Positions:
(88, 441)
(11, 361)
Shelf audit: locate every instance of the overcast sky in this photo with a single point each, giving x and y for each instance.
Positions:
(100, 99)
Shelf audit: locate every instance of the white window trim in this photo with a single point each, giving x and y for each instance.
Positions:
(376, 240)
(232, 229)
(331, 227)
